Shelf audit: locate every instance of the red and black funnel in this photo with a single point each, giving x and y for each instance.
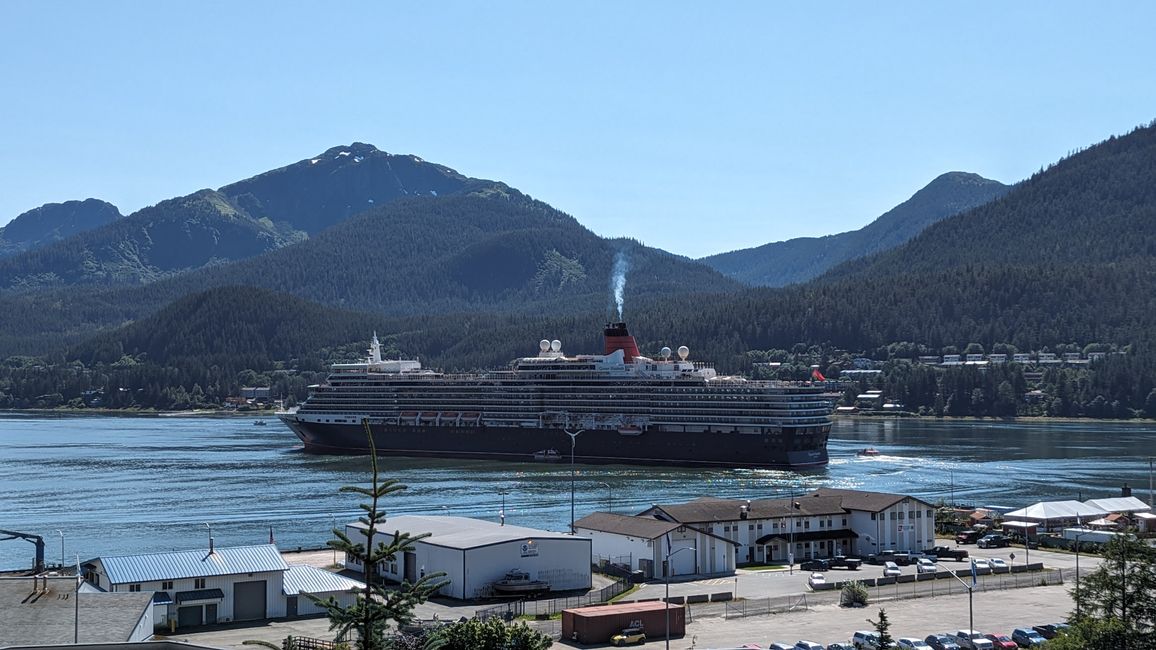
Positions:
(619, 338)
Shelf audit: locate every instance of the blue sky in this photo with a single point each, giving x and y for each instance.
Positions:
(695, 129)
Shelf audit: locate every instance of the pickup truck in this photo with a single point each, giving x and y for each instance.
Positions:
(969, 536)
(844, 562)
(946, 552)
(901, 558)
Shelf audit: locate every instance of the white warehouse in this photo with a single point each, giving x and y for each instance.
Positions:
(474, 554)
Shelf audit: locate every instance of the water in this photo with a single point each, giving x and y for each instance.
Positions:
(129, 485)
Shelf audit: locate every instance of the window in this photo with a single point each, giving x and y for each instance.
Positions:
(167, 584)
(893, 516)
(199, 583)
(872, 516)
(845, 521)
(750, 526)
(901, 516)
(135, 587)
(806, 523)
(820, 523)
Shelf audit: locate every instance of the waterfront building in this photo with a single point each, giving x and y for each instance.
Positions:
(474, 554)
(643, 544)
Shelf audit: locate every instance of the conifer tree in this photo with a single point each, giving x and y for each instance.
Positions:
(883, 629)
(376, 607)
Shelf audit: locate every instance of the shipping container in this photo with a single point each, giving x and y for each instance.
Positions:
(590, 625)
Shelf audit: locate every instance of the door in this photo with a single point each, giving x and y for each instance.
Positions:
(410, 567)
(291, 606)
(249, 600)
(190, 616)
(211, 614)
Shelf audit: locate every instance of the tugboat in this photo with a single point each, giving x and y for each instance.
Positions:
(518, 583)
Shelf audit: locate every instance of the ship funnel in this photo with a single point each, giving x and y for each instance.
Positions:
(619, 338)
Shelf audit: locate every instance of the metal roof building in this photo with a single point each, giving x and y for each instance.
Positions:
(474, 554)
(42, 610)
(176, 565)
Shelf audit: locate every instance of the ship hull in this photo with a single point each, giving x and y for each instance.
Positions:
(779, 450)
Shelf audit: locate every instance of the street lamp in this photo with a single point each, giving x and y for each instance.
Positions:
(333, 521)
(573, 443)
(1078, 536)
(970, 589)
(502, 512)
(670, 554)
(61, 533)
(609, 496)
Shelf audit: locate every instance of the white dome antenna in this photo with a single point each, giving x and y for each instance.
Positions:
(555, 346)
(683, 352)
(665, 352)
(544, 345)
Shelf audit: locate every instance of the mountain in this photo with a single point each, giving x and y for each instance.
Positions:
(489, 249)
(53, 222)
(798, 260)
(238, 221)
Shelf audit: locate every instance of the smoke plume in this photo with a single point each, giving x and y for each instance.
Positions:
(618, 279)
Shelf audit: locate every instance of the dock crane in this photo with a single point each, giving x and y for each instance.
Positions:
(37, 540)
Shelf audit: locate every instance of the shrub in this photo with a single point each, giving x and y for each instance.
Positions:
(854, 594)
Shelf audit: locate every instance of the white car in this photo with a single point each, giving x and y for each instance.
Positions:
(925, 565)
(890, 569)
(972, 640)
(913, 644)
(996, 563)
(981, 562)
(808, 645)
(816, 579)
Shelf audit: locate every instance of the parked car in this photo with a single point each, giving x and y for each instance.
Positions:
(981, 562)
(1050, 630)
(882, 557)
(971, 640)
(781, 646)
(816, 564)
(925, 565)
(863, 640)
(994, 540)
(808, 645)
(969, 536)
(891, 569)
(997, 563)
(912, 644)
(840, 646)
(816, 579)
(628, 636)
(941, 642)
(844, 562)
(947, 552)
(1001, 641)
(1026, 637)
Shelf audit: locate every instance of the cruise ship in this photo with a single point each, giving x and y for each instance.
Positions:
(616, 407)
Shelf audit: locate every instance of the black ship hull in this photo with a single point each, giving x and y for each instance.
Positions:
(782, 450)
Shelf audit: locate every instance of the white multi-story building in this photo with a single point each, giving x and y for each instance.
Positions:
(823, 523)
(646, 544)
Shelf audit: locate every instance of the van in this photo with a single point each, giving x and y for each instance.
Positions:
(863, 640)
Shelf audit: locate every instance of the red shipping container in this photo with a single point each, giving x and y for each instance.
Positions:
(589, 625)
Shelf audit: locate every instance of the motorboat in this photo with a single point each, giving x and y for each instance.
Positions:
(547, 455)
(868, 451)
(518, 583)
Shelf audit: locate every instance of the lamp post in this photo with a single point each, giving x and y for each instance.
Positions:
(1151, 499)
(573, 443)
(609, 496)
(61, 533)
(333, 521)
(502, 512)
(670, 554)
(970, 589)
(1078, 536)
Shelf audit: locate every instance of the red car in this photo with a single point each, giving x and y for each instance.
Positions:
(1001, 641)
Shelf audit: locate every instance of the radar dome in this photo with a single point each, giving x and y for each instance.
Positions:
(544, 345)
(665, 352)
(683, 352)
(555, 346)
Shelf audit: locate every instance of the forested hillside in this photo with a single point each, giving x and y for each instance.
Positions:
(239, 221)
(798, 260)
(53, 222)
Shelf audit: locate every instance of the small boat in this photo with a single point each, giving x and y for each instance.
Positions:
(258, 423)
(868, 451)
(547, 455)
(519, 583)
(630, 430)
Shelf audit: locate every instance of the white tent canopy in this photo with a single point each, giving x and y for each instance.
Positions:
(1120, 504)
(1046, 510)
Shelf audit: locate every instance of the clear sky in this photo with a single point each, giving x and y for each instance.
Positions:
(696, 127)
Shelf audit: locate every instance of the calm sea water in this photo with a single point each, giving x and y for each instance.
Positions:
(127, 485)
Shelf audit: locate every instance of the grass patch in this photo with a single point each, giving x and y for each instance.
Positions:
(633, 588)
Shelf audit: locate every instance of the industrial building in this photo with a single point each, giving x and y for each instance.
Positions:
(474, 554)
(219, 585)
(42, 610)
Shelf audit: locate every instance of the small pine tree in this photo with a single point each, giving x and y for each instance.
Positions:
(883, 629)
(377, 606)
(854, 594)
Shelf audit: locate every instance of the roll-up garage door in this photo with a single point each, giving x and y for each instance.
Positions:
(249, 600)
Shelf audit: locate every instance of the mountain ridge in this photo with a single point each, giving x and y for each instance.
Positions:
(54, 222)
